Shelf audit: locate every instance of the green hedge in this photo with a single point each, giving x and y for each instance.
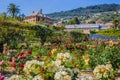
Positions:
(110, 32)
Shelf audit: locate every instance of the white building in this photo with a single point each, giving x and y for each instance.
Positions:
(85, 27)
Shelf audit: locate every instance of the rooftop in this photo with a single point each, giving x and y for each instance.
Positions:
(81, 26)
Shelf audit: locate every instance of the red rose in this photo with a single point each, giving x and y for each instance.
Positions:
(22, 65)
(29, 52)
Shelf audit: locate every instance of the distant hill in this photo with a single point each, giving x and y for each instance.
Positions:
(86, 11)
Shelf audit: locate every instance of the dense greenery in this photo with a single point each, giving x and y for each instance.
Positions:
(43, 33)
(110, 32)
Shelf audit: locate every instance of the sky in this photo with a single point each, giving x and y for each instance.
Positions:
(50, 6)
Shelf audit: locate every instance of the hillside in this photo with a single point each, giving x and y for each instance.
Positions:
(86, 11)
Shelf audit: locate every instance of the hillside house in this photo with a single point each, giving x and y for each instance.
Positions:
(38, 17)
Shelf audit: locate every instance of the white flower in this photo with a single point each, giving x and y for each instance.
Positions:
(56, 63)
(67, 77)
(85, 78)
(103, 71)
(38, 77)
(62, 75)
(63, 57)
(98, 75)
(105, 75)
(76, 70)
(15, 77)
(57, 76)
(109, 66)
(33, 66)
(54, 66)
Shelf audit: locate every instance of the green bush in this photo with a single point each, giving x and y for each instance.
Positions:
(110, 32)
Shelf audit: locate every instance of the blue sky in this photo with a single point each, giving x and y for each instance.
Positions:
(49, 6)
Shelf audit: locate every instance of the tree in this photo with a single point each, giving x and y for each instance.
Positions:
(116, 23)
(13, 10)
(3, 16)
(76, 21)
(91, 22)
(42, 33)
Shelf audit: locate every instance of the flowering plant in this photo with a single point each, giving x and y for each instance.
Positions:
(103, 71)
(33, 68)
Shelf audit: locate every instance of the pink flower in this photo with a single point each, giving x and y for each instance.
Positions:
(2, 77)
(1, 62)
(4, 50)
(13, 64)
(29, 52)
(37, 57)
(21, 55)
(13, 59)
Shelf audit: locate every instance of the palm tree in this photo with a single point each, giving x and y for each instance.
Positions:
(13, 9)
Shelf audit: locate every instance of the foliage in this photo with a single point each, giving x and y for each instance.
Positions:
(14, 31)
(92, 31)
(116, 23)
(12, 37)
(77, 36)
(3, 16)
(75, 20)
(91, 22)
(43, 33)
(110, 32)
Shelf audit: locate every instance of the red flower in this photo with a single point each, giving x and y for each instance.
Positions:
(65, 46)
(22, 65)
(37, 57)
(72, 62)
(85, 46)
(80, 54)
(13, 65)
(78, 46)
(75, 65)
(29, 52)
(50, 54)
(21, 56)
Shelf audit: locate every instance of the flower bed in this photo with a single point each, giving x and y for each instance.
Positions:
(81, 61)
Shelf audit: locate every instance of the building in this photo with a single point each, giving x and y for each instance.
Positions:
(85, 27)
(38, 17)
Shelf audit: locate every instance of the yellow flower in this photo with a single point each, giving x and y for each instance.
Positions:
(86, 58)
(53, 51)
(67, 77)
(45, 58)
(111, 43)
